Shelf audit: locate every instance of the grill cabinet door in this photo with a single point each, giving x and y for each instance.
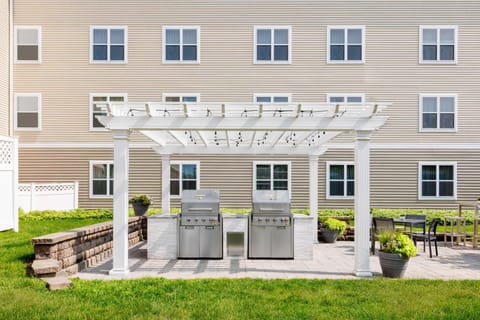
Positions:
(189, 239)
(210, 242)
(260, 242)
(282, 244)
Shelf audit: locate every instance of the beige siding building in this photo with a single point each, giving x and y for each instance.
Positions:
(4, 68)
(422, 56)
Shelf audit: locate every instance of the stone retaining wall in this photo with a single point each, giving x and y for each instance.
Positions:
(74, 250)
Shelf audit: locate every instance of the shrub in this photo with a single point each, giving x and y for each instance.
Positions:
(142, 199)
(398, 243)
(335, 225)
(70, 214)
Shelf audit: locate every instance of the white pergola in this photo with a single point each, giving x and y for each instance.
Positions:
(243, 128)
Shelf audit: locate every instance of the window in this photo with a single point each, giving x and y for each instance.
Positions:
(345, 98)
(438, 112)
(101, 179)
(437, 180)
(184, 176)
(28, 44)
(181, 45)
(340, 180)
(28, 108)
(272, 44)
(173, 97)
(271, 175)
(345, 44)
(98, 106)
(272, 98)
(438, 44)
(108, 44)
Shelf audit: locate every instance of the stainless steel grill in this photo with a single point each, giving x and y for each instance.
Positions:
(200, 226)
(271, 225)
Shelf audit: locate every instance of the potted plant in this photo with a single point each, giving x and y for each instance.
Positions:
(331, 228)
(140, 204)
(396, 249)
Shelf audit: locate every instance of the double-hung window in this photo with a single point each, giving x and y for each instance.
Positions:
(345, 44)
(101, 179)
(28, 44)
(98, 106)
(345, 98)
(272, 44)
(272, 98)
(108, 44)
(28, 107)
(340, 180)
(438, 112)
(438, 44)
(181, 44)
(271, 175)
(184, 175)
(437, 180)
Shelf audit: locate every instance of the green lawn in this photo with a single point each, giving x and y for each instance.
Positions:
(23, 297)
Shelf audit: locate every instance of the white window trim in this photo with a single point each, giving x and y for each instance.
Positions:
(346, 61)
(420, 112)
(362, 95)
(327, 195)
(181, 95)
(272, 163)
(272, 95)
(272, 61)
(436, 163)
(181, 163)
(164, 44)
(108, 61)
(438, 61)
(90, 179)
(39, 30)
(39, 111)
(90, 103)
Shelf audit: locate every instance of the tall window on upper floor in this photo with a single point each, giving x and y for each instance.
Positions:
(101, 179)
(271, 175)
(345, 98)
(438, 112)
(98, 107)
(272, 44)
(437, 180)
(181, 44)
(272, 98)
(340, 180)
(184, 175)
(345, 44)
(438, 44)
(28, 107)
(108, 44)
(28, 44)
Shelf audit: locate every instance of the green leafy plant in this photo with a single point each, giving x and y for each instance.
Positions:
(335, 225)
(142, 199)
(391, 242)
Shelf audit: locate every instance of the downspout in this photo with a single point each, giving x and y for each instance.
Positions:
(10, 70)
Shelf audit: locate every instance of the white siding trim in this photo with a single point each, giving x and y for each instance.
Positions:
(272, 61)
(346, 61)
(39, 31)
(39, 111)
(90, 111)
(437, 163)
(108, 61)
(164, 44)
(90, 178)
(420, 45)
(271, 163)
(181, 163)
(420, 112)
(327, 180)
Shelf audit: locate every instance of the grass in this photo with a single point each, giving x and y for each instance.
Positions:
(23, 297)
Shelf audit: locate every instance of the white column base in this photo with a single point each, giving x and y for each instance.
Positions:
(119, 272)
(363, 274)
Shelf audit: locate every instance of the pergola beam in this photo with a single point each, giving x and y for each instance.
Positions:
(259, 150)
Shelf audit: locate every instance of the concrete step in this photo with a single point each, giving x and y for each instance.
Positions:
(57, 283)
(46, 268)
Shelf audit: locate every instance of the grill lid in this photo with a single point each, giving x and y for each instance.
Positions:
(202, 201)
(271, 202)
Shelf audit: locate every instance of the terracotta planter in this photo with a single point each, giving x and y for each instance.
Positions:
(139, 209)
(329, 236)
(393, 266)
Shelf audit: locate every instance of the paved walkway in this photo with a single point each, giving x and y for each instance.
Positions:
(330, 261)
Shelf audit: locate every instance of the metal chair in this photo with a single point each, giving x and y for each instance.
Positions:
(430, 236)
(416, 225)
(379, 225)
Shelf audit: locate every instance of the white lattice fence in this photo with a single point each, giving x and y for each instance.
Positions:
(8, 183)
(48, 196)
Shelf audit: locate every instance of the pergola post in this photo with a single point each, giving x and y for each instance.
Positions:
(120, 202)
(165, 184)
(313, 196)
(362, 204)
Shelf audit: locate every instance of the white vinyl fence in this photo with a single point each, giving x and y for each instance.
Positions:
(8, 183)
(48, 196)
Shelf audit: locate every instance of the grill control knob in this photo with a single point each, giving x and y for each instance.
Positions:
(188, 220)
(203, 220)
(274, 220)
(267, 220)
(196, 220)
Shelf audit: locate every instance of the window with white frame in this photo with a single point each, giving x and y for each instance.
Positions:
(272, 98)
(437, 180)
(271, 175)
(108, 44)
(28, 44)
(98, 106)
(272, 44)
(184, 176)
(340, 180)
(438, 112)
(101, 179)
(345, 44)
(438, 44)
(28, 108)
(169, 97)
(181, 44)
(345, 98)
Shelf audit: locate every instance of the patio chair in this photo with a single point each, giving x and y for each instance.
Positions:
(416, 225)
(379, 225)
(430, 236)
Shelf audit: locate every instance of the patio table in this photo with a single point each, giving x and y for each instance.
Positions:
(409, 222)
